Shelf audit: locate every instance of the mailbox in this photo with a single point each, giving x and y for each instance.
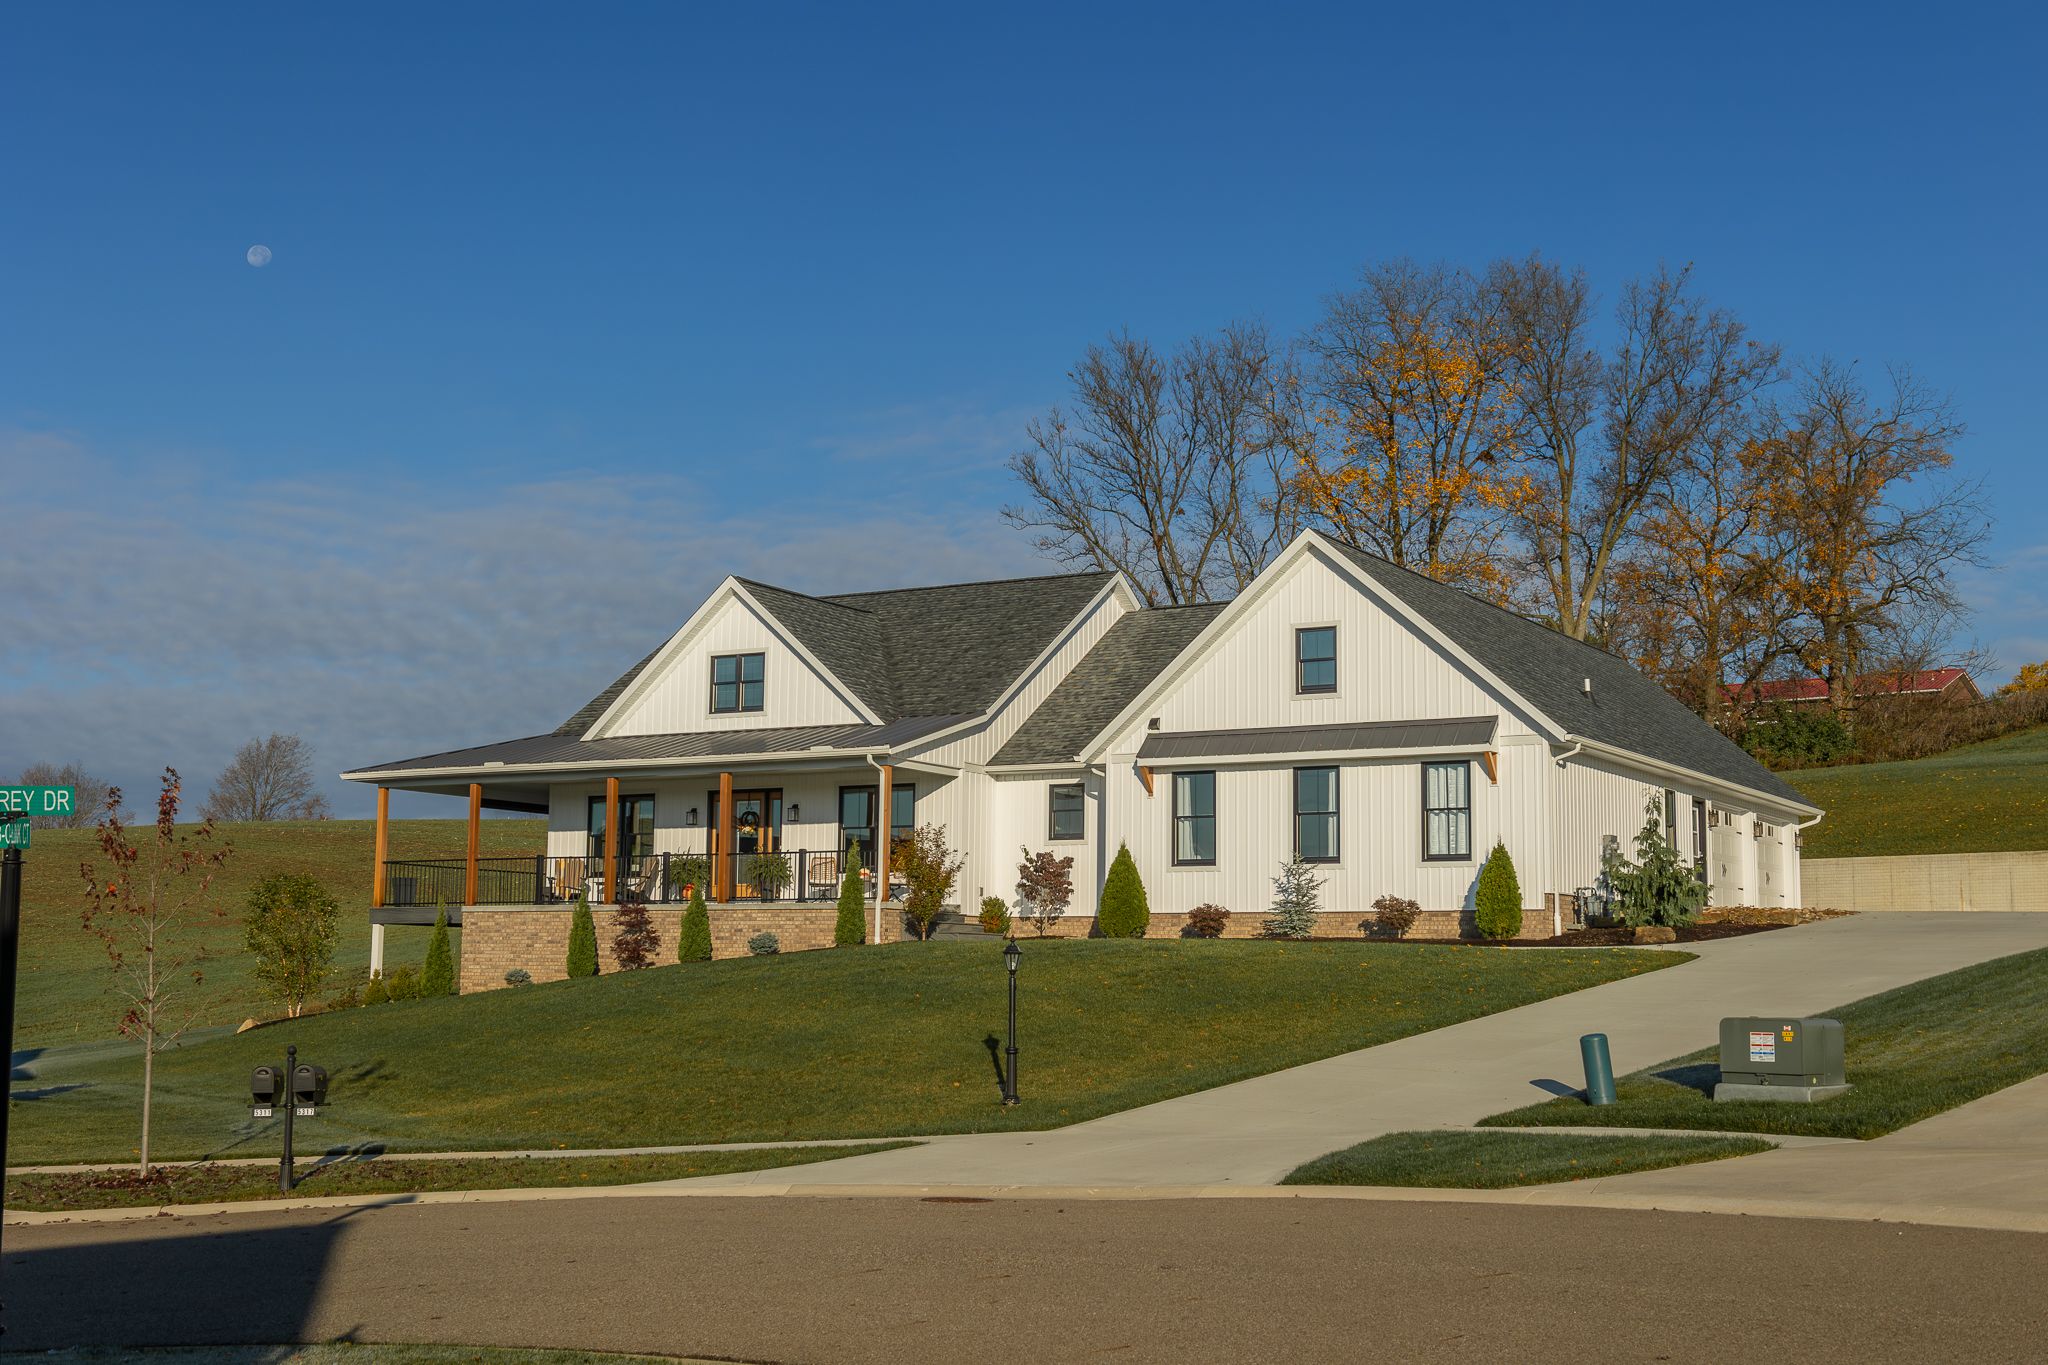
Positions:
(266, 1090)
(1768, 1058)
(309, 1086)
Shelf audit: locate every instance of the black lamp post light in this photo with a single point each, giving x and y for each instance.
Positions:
(1011, 954)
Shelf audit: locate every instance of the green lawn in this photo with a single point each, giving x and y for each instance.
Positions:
(1981, 798)
(873, 1042)
(1912, 1053)
(214, 1184)
(1451, 1160)
(64, 977)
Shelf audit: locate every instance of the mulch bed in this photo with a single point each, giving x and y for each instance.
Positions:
(1619, 937)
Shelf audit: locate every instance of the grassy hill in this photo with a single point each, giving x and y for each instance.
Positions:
(63, 996)
(888, 1041)
(1981, 798)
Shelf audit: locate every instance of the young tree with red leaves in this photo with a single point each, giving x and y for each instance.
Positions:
(142, 899)
(1045, 886)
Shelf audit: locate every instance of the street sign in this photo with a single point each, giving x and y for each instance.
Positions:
(14, 833)
(20, 801)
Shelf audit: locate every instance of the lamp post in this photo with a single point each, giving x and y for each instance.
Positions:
(1011, 954)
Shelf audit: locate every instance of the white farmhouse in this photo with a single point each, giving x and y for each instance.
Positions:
(1385, 726)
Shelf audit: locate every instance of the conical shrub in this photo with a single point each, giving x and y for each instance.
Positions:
(693, 944)
(1497, 905)
(1124, 912)
(437, 977)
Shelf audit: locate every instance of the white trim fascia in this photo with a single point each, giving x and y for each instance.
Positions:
(1027, 769)
(924, 765)
(666, 655)
(787, 758)
(1118, 584)
(1308, 758)
(1750, 796)
(1307, 543)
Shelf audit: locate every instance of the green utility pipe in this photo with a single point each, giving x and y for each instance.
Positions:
(1599, 1070)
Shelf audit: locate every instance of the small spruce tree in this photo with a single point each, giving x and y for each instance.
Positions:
(437, 977)
(1661, 887)
(1297, 896)
(1124, 912)
(582, 940)
(1497, 905)
(693, 943)
(851, 930)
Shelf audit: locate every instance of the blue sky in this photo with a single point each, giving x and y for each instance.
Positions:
(574, 309)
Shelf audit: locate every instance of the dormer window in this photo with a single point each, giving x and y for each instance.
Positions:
(1315, 659)
(736, 682)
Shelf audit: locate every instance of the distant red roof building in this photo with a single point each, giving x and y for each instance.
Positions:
(1949, 684)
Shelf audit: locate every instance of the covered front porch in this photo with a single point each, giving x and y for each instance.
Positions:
(750, 839)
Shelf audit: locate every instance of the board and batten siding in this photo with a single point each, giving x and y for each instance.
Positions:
(1018, 816)
(1380, 834)
(678, 698)
(1385, 671)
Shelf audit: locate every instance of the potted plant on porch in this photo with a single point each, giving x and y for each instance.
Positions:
(768, 873)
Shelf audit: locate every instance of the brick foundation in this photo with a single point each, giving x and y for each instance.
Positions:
(495, 941)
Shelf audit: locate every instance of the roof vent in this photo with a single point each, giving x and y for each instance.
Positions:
(1586, 686)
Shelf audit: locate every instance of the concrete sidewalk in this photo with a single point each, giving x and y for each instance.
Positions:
(1254, 1132)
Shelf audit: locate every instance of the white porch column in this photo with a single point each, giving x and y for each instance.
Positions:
(376, 950)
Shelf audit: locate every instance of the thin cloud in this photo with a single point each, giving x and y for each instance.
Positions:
(172, 623)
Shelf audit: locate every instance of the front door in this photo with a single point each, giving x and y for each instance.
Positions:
(756, 829)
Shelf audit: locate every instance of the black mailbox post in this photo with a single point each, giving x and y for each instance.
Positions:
(299, 1097)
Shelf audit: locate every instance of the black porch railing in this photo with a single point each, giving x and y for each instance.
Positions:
(658, 878)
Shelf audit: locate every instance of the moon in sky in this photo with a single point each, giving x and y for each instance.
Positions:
(259, 255)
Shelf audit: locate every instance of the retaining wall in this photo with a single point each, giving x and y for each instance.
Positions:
(1929, 881)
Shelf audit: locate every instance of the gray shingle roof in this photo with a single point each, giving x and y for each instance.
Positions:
(911, 653)
(561, 748)
(1626, 709)
(1130, 654)
(1464, 732)
(953, 649)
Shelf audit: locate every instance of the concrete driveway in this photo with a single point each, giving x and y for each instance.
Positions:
(1256, 1131)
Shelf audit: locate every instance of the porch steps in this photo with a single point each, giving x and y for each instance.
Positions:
(953, 924)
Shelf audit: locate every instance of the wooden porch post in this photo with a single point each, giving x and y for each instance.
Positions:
(476, 815)
(721, 862)
(882, 827)
(611, 840)
(382, 848)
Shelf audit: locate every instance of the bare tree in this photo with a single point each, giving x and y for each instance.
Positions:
(1867, 527)
(1606, 435)
(142, 902)
(1166, 467)
(1409, 444)
(89, 797)
(268, 779)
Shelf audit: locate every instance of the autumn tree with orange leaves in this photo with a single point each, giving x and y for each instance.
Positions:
(1406, 436)
(143, 896)
(1867, 526)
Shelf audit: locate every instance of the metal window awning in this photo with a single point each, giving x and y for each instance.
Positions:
(1383, 736)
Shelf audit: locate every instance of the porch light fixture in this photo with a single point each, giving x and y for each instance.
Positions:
(796, 812)
(690, 816)
(1012, 954)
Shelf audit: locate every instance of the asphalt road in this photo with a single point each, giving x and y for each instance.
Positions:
(906, 1280)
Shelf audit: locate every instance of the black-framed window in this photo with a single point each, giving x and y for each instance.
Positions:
(636, 827)
(857, 817)
(1194, 818)
(1671, 818)
(1447, 811)
(736, 681)
(1315, 814)
(1066, 811)
(1315, 659)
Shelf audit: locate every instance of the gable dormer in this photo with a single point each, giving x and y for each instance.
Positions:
(732, 666)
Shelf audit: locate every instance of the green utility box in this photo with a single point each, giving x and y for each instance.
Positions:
(1781, 1059)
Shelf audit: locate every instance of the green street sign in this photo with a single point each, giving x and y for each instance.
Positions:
(18, 801)
(14, 834)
